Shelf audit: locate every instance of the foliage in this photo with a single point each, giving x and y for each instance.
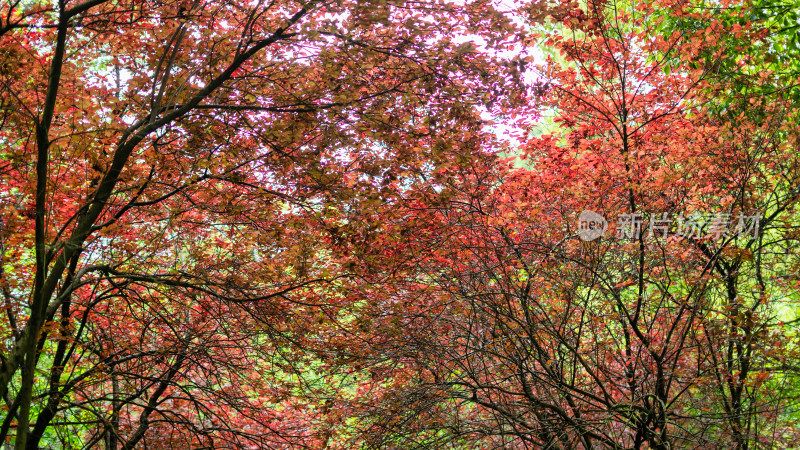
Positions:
(517, 333)
(289, 225)
(186, 188)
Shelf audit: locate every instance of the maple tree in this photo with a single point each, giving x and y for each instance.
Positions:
(511, 331)
(185, 189)
(288, 224)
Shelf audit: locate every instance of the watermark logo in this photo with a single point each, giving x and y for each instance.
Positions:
(592, 225)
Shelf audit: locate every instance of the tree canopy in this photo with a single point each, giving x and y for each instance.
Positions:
(399, 224)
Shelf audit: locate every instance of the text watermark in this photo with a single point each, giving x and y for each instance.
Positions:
(592, 225)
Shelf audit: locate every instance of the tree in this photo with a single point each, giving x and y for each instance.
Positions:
(183, 199)
(673, 329)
